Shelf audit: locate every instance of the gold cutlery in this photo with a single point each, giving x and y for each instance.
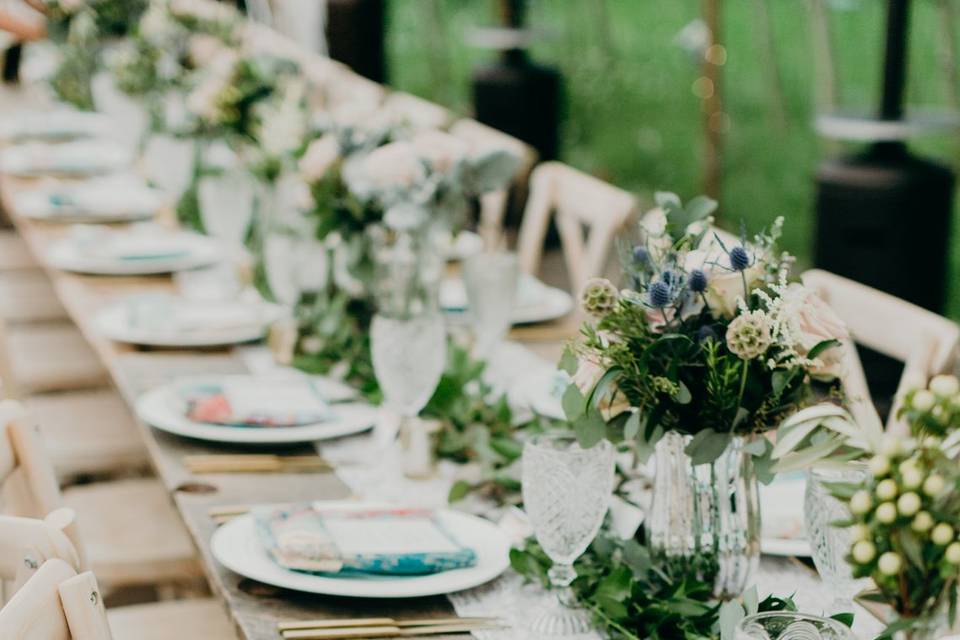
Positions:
(381, 628)
(254, 463)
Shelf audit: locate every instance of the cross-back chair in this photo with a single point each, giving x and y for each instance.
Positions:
(588, 213)
(925, 342)
(493, 205)
(56, 603)
(134, 535)
(88, 432)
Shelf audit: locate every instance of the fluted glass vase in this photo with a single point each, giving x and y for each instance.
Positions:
(706, 516)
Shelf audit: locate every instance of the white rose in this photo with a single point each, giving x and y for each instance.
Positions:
(319, 157)
(654, 222)
(814, 321)
(441, 150)
(396, 165)
(203, 49)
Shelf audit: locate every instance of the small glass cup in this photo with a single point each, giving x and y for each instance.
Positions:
(226, 207)
(491, 283)
(830, 544)
(168, 162)
(566, 493)
(408, 338)
(788, 625)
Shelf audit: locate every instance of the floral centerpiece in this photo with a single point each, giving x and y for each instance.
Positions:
(709, 347)
(905, 517)
(364, 182)
(81, 28)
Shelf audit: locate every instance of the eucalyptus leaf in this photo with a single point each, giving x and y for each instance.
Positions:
(683, 395)
(573, 402)
(700, 207)
(569, 361)
(731, 613)
(590, 428)
(751, 600)
(706, 446)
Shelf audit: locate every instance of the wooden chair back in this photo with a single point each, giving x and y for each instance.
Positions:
(588, 213)
(417, 113)
(26, 543)
(493, 206)
(925, 342)
(56, 604)
(9, 389)
(27, 478)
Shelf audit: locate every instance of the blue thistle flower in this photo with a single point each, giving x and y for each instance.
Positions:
(698, 281)
(670, 278)
(706, 332)
(739, 258)
(658, 295)
(640, 255)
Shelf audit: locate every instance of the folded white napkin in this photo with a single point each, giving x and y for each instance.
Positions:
(108, 196)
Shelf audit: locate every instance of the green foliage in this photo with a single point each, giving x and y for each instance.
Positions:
(478, 426)
(634, 595)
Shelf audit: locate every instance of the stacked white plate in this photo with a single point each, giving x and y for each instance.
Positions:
(77, 159)
(122, 198)
(169, 321)
(165, 408)
(139, 250)
(535, 302)
(56, 125)
(237, 546)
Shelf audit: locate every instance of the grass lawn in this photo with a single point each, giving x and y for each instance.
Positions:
(632, 117)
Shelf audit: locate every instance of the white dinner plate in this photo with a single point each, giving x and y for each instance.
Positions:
(537, 302)
(540, 391)
(164, 409)
(781, 513)
(237, 546)
(77, 159)
(231, 322)
(70, 255)
(59, 124)
(100, 200)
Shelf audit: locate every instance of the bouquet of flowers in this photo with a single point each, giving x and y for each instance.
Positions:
(710, 339)
(225, 100)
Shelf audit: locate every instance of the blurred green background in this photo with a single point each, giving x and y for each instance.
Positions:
(631, 115)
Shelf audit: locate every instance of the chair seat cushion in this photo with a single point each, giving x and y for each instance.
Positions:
(200, 619)
(132, 532)
(53, 357)
(88, 432)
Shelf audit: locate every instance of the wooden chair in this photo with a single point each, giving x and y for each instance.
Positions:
(26, 295)
(135, 536)
(51, 357)
(493, 206)
(28, 546)
(14, 253)
(925, 342)
(56, 603)
(588, 213)
(87, 433)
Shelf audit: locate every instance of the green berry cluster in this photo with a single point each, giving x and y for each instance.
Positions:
(933, 410)
(905, 524)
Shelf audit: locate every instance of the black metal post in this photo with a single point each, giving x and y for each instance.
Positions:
(895, 60)
(356, 36)
(11, 64)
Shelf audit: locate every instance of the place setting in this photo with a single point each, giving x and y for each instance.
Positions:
(142, 249)
(75, 159)
(111, 199)
(57, 125)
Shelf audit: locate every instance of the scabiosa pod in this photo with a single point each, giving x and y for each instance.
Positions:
(748, 336)
(599, 297)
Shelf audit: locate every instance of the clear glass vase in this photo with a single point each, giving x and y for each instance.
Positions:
(708, 515)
